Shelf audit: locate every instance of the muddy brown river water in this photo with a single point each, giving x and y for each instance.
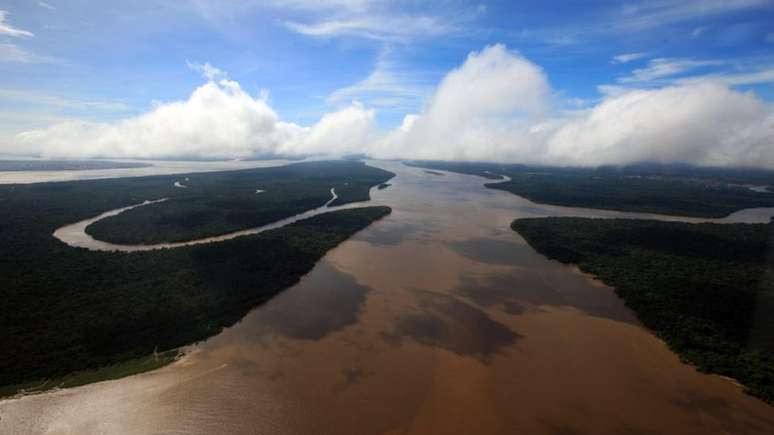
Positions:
(437, 319)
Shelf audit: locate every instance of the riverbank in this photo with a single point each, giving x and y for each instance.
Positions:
(403, 313)
(69, 310)
(706, 289)
(115, 371)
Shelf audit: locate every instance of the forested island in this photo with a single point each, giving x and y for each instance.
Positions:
(209, 204)
(65, 310)
(679, 190)
(706, 289)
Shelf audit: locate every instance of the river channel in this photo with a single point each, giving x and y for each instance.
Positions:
(436, 319)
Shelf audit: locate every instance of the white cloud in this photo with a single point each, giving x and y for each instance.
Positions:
(7, 29)
(219, 120)
(761, 76)
(481, 110)
(639, 16)
(703, 123)
(207, 71)
(388, 86)
(612, 90)
(384, 28)
(46, 6)
(346, 130)
(628, 57)
(379, 20)
(371, 19)
(655, 13)
(666, 67)
(496, 106)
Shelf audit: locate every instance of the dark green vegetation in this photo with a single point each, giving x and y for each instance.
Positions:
(83, 377)
(218, 203)
(648, 188)
(64, 310)
(65, 165)
(706, 289)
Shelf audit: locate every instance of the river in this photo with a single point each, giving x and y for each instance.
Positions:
(436, 319)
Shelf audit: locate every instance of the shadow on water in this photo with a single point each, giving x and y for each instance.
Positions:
(415, 312)
(446, 322)
(496, 252)
(326, 301)
(516, 293)
(388, 233)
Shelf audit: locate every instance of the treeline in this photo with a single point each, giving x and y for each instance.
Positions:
(66, 309)
(647, 188)
(706, 289)
(218, 203)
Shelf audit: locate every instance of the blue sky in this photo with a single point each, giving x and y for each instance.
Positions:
(101, 61)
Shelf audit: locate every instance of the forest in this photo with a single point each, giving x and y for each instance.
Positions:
(67, 309)
(211, 204)
(706, 289)
(674, 189)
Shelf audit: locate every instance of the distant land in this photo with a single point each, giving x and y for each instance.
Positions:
(66, 165)
(679, 190)
(71, 315)
(706, 289)
(223, 202)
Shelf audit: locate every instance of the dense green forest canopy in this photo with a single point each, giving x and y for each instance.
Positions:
(707, 289)
(65, 309)
(210, 204)
(647, 188)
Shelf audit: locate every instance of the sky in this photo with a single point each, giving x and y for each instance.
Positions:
(571, 83)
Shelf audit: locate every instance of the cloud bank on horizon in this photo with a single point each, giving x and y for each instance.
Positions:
(496, 106)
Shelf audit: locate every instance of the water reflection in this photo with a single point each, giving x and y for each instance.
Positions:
(436, 319)
(448, 323)
(313, 312)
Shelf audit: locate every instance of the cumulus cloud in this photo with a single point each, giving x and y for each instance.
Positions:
(702, 123)
(218, 120)
(496, 106)
(346, 130)
(482, 110)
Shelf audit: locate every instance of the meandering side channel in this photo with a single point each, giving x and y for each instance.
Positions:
(75, 234)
